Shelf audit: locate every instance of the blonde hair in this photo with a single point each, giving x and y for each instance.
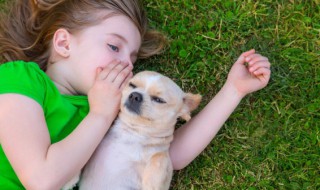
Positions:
(27, 29)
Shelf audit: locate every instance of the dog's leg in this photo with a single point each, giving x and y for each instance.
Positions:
(158, 172)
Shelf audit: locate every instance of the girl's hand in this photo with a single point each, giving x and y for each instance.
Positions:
(251, 77)
(105, 95)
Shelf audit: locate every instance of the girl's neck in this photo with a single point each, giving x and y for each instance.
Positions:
(60, 82)
(63, 90)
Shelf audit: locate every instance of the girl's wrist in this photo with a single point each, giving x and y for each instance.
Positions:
(230, 91)
(107, 120)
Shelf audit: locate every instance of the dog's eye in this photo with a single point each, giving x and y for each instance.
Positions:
(132, 85)
(158, 100)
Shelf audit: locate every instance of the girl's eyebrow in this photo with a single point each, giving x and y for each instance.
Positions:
(119, 36)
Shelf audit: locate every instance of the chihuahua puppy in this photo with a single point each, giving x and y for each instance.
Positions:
(134, 153)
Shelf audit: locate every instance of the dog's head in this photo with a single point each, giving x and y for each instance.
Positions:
(151, 99)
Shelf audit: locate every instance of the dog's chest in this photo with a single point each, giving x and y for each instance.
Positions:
(121, 159)
(121, 145)
(125, 143)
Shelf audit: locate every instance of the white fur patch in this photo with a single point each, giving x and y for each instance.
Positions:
(152, 80)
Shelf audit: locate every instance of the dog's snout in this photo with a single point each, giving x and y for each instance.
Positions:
(136, 97)
(134, 102)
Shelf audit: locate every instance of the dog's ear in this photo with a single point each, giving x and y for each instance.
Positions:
(190, 103)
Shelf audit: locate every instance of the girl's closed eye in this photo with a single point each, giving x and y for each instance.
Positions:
(113, 47)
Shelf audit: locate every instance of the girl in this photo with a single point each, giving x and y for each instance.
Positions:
(57, 104)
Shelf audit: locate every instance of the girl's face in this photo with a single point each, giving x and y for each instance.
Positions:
(116, 38)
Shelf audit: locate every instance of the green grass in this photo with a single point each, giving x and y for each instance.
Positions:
(272, 140)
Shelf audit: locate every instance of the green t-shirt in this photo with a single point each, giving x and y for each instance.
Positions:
(62, 112)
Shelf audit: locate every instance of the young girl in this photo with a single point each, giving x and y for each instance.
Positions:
(60, 100)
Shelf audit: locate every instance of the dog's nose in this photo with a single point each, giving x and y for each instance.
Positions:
(136, 97)
(134, 102)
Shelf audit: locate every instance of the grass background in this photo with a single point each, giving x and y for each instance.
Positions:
(272, 140)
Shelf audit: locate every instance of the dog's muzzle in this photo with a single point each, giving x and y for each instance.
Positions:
(134, 102)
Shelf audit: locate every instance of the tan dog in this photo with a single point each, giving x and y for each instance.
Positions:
(134, 153)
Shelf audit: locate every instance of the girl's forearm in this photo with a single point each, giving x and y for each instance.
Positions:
(192, 138)
(76, 149)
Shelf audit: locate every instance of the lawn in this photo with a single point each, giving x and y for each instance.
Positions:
(272, 140)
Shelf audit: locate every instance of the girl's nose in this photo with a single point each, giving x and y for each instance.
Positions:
(128, 60)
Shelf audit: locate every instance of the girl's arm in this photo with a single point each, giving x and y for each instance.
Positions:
(26, 142)
(192, 138)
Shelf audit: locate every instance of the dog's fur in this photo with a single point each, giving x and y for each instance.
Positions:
(134, 153)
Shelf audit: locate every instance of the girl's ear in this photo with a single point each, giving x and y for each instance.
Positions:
(61, 42)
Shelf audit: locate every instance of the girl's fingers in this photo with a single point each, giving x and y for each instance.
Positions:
(98, 71)
(115, 73)
(263, 74)
(106, 71)
(251, 56)
(248, 53)
(126, 81)
(117, 70)
(241, 60)
(260, 64)
(255, 58)
(122, 76)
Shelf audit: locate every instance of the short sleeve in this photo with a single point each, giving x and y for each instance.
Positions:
(25, 78)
